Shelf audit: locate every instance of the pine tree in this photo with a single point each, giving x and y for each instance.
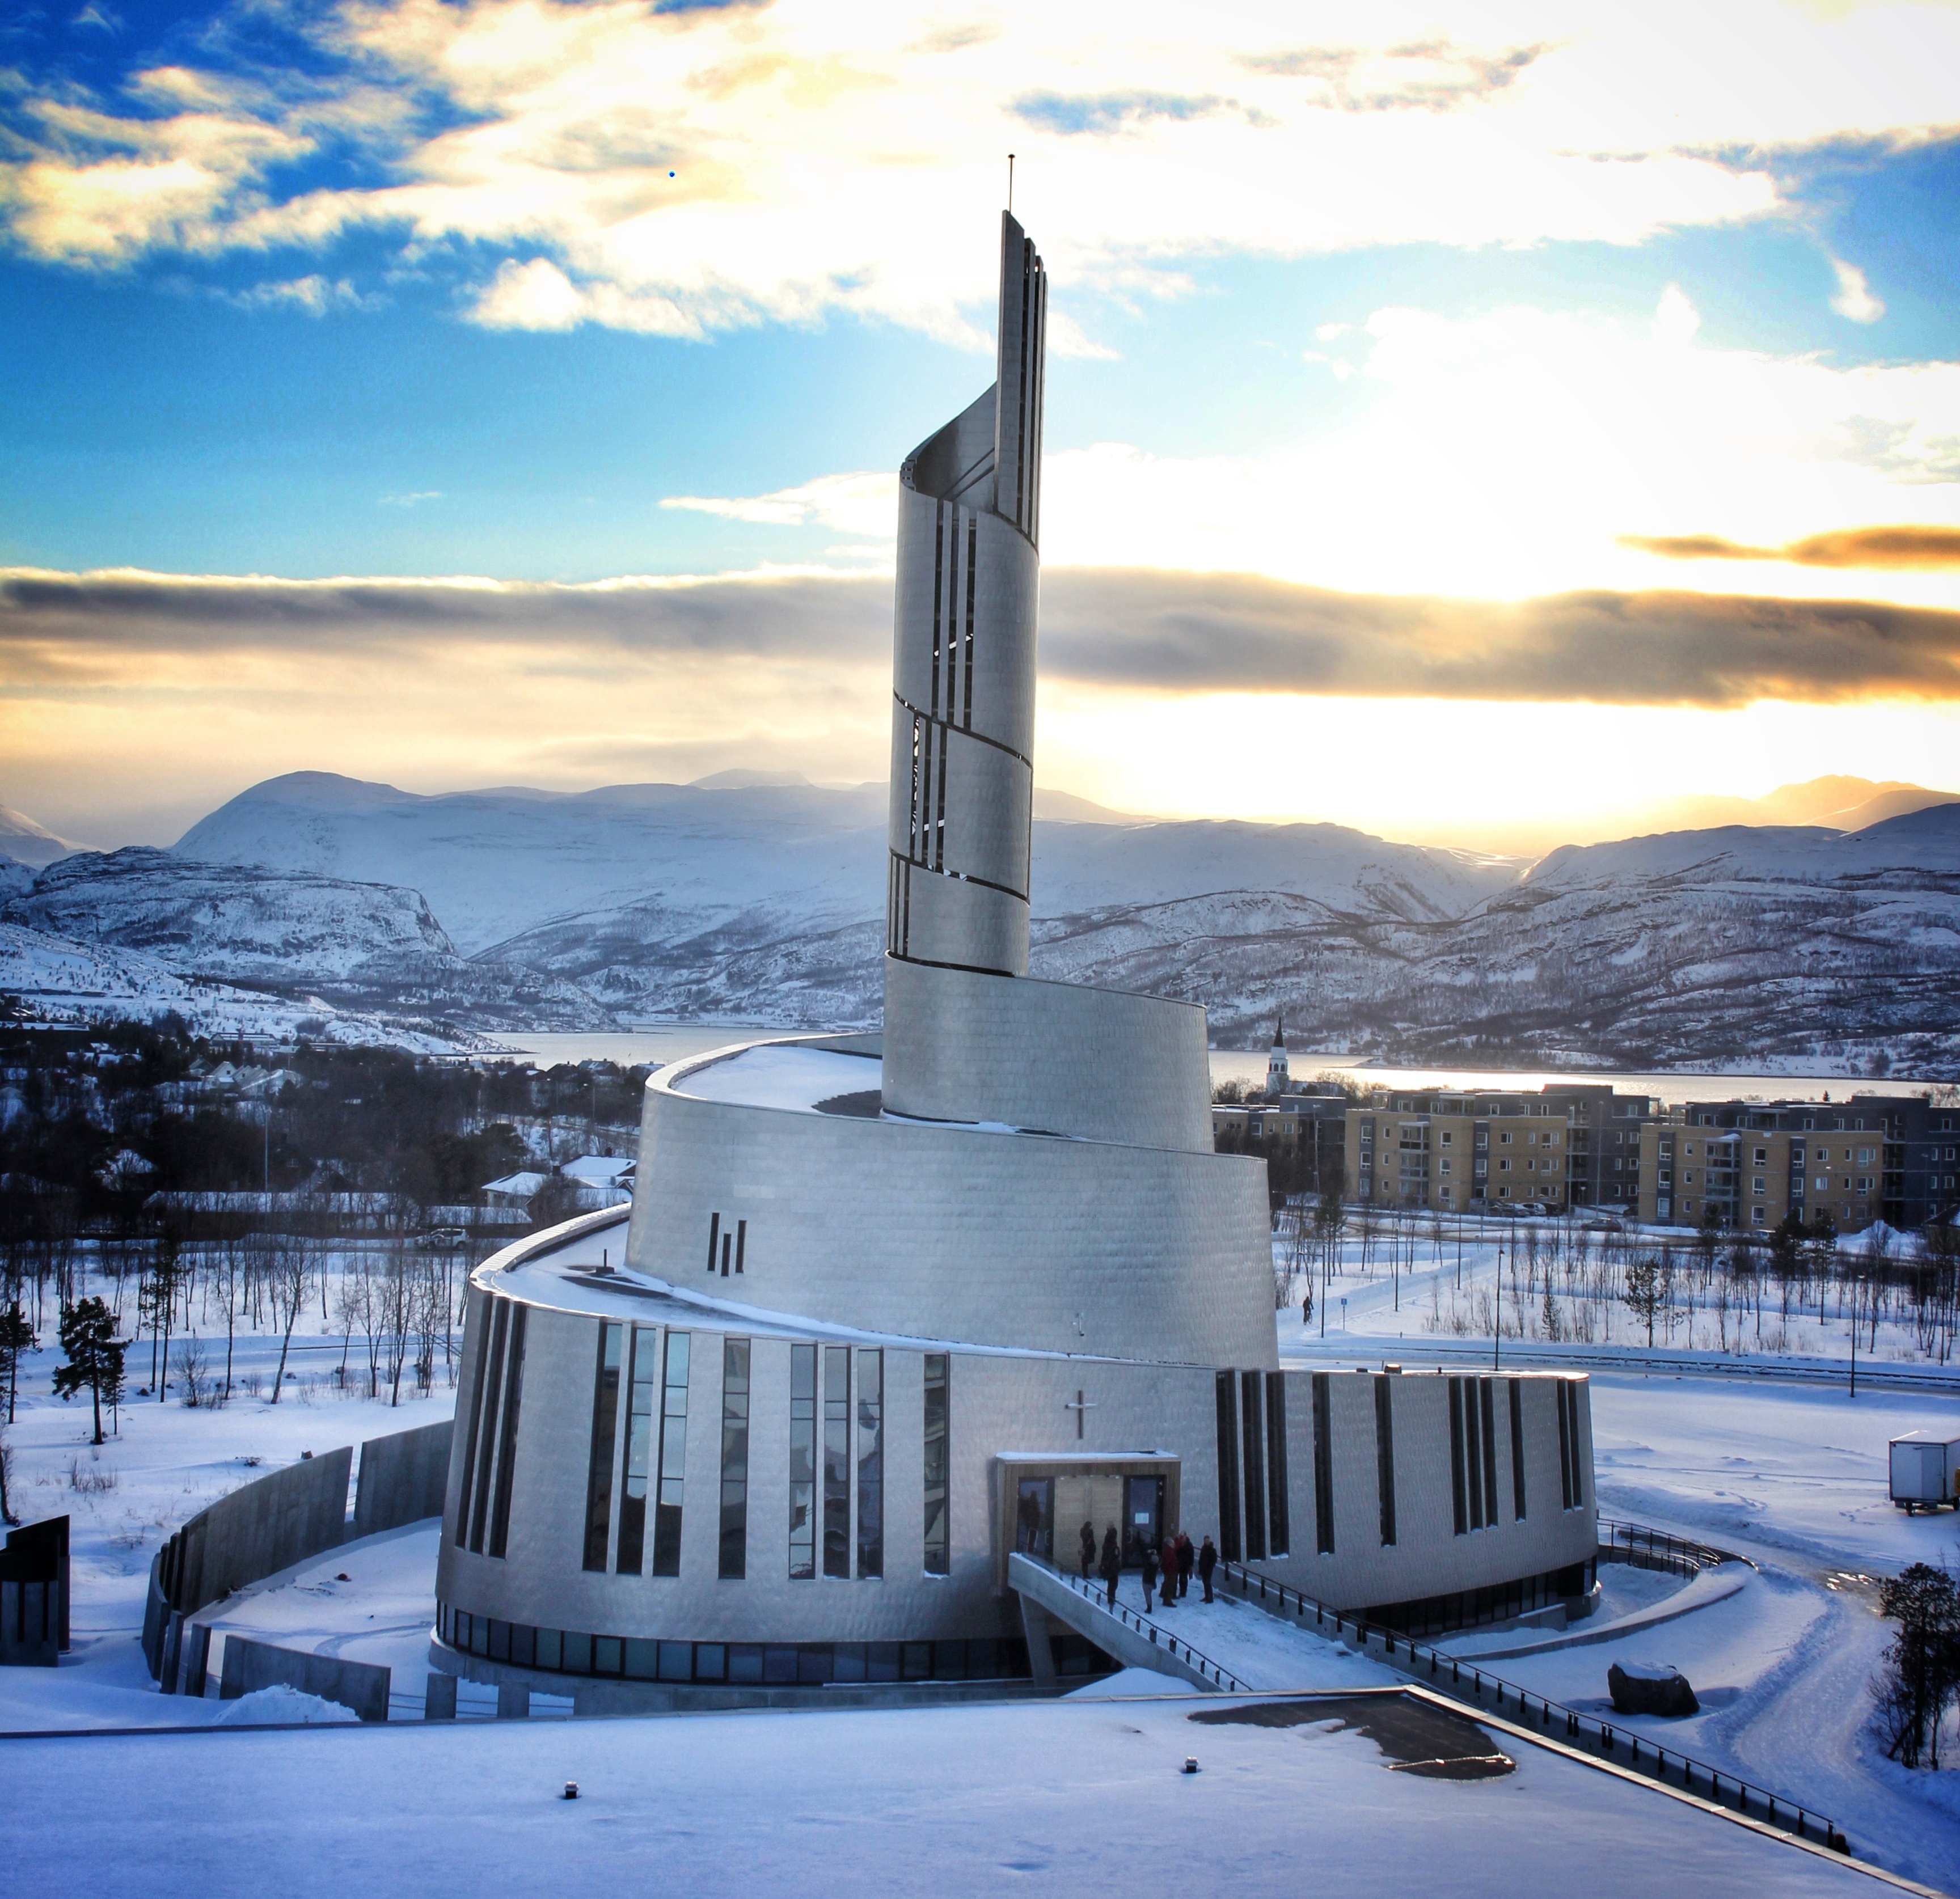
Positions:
(94, 1356)
(1644, 1294)
(16, 1336)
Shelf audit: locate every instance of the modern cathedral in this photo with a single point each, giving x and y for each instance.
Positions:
(890, 1309)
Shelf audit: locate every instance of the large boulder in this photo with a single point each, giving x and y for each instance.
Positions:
(1650, 1687)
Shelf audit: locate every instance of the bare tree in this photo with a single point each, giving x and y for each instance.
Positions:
(288, 1276)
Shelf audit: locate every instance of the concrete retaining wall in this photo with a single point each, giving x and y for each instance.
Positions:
(251, 1665)
(281, 1519)
(402, 1478)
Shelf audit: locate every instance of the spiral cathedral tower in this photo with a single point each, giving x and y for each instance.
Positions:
(890, 1312)
(963, 666)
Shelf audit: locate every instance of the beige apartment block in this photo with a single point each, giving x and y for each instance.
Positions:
(1457, 1162)
(1754, 1177)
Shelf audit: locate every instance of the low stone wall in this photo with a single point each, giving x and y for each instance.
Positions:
(402, 1478)
(249, 1665)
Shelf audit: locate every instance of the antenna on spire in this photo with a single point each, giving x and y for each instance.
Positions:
(1010, 181)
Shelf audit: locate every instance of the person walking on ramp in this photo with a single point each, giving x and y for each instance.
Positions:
(1111, 1564)
(1088, 1550)
(1208, 1561)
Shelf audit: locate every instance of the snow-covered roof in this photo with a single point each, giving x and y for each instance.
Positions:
(600, 1170)
(521, 1185)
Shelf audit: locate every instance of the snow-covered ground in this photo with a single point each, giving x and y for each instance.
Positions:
(1082, 1795)
(1791, 1476)
(1446, 1289)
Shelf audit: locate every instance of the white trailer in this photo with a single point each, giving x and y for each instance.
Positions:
(1925, 1470)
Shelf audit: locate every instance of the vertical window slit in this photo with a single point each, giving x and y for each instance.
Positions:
(802, 1462)
(1323, 1463)
(734, 1555)
(673, 1456)
(714, 1239)
(972, 561)
(938, 1426)
(1385, 1453)
(1250, 1384)
(741, 1243)
(476, 1384)
(1486, 1405)
(513, 1392)
(605, 1420)
(487, 1457)
(1279, 1513)
(870, 1463)
(1229, 1546)
(1517, 1449)
(630, 1557)
(1461, 1515)
(837, 1460)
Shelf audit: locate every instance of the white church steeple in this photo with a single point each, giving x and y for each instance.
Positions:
(1276, 1063)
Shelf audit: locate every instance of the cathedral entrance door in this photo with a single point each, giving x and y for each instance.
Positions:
(1034, 1522)
(1143, 1517)
(1097, 1501)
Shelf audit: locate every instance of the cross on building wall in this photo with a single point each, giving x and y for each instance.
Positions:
(1080, 1407)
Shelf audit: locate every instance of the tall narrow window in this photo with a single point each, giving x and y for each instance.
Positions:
(802, 1462)
(1518, 1449)
(1576, 1450)
(673, 1458)
(507, 1452)
(837, 1460)
(1279, 1514)
(1564, 1446)
(604, 1420)
(1488, 1406)
(938, 1422)
(476, 1384)
(631, 1557)
(1456, 1460)
(734, 1458)
(1254, 1440)
(1323, 1463)
(1385, 1453)
(1473, 1453)
(1228, 1468)
(487, 1455)
(871, 1463)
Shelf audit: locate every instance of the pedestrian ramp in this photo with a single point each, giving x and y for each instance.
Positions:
(1229, 1646)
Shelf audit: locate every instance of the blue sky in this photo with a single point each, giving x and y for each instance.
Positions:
(1348, 301)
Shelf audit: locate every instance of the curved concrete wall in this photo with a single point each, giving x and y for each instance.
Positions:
(999, 1404)
(949, 1233)
(1099, 1065)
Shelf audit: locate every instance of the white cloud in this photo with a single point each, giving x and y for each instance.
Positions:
(314, 294)
(861, 504)
(1854, 298)
(1675, 319)
(1503, 456)
(536, 295)
(414, 500)
(681, 172)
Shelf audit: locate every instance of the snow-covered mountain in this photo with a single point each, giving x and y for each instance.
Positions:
(763, 901)
(294, 934)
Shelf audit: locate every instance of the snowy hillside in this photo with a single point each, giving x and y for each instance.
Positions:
(761, 902)
(143, 923)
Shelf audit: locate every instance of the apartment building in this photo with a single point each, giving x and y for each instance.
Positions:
(1468, 1151)
(1894, 1158)
(1304, 1128)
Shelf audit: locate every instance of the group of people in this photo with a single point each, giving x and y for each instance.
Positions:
(1169, 1564)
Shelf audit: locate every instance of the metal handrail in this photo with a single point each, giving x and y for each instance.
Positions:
(1779, 1811)
(1175, 1645)
(1681, 1553)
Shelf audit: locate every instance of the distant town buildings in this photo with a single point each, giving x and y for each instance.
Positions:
(1569, 1146)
